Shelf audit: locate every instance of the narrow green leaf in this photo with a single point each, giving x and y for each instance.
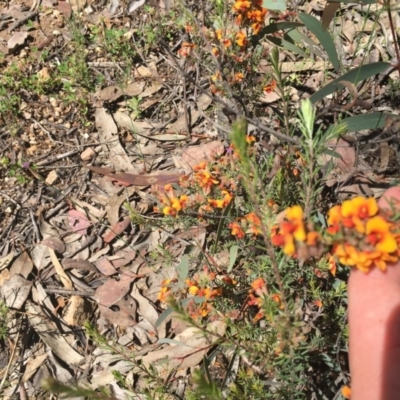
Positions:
(278, 5)
(305, 41)
(354, 76)
(373, 120)
(233, 252)
(287, 45)
(279, 26)
(332, 153)
(323, 36)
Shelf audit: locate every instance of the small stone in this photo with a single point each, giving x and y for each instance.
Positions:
(53, 101)
(88, 154)
(51, 177)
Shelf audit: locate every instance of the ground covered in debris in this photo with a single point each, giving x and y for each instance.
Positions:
(135, 252)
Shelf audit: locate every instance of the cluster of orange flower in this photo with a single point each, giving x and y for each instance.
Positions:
(172, 204)
(257, 295)
(357, 235)
(250, 223)
(200, 285)
(249, 12)
(363, 239)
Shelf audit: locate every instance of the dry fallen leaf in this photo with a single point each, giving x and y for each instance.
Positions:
(65, 279)
(54, 243)
(188, 353)
(78, 311)
(116, 230)
(105, 267)
(15, 291)
(78, 222)
(22, 265)
(50, 335)
(112, 291)
(209, 151)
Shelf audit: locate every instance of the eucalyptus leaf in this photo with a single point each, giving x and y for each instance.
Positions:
(354, 76)
(278, 5)
(323, 36)
(287, 45)
(375, 120)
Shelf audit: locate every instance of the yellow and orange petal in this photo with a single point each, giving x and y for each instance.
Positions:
(226, 42)
(346, 392)
(236, 230)
(271, 87)
(193, 290)
(335, 215)
(378, 234)
(258, 283)
(241, 39)
(294, 213)
(352, 257)
(200, 166)
(360, 207)
(218, 34)
(312, 238)
(238, 77)
(332, 265)
(288, 246)
(216, 203)
(169, 211)
(241, 6)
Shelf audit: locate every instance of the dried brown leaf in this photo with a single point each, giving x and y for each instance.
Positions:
(15, 291)
(78, 311)
(49, 333)
(116, 230)
(122, 314)
(65, 279)
(22, 265)
(54, 243)
(209, 151)
(105, 267)
(112, 291)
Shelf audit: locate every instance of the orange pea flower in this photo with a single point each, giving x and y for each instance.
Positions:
(241, 6)
(165, 290)
(378, 234)
(226, 42)
(332, 265)
(346, 392)
(241, 39)
(271, 87)
(258, 283)
(221, 203)
(205, 180)
(250, 139)
(238, 77)
(255, 223)
(236, 230)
